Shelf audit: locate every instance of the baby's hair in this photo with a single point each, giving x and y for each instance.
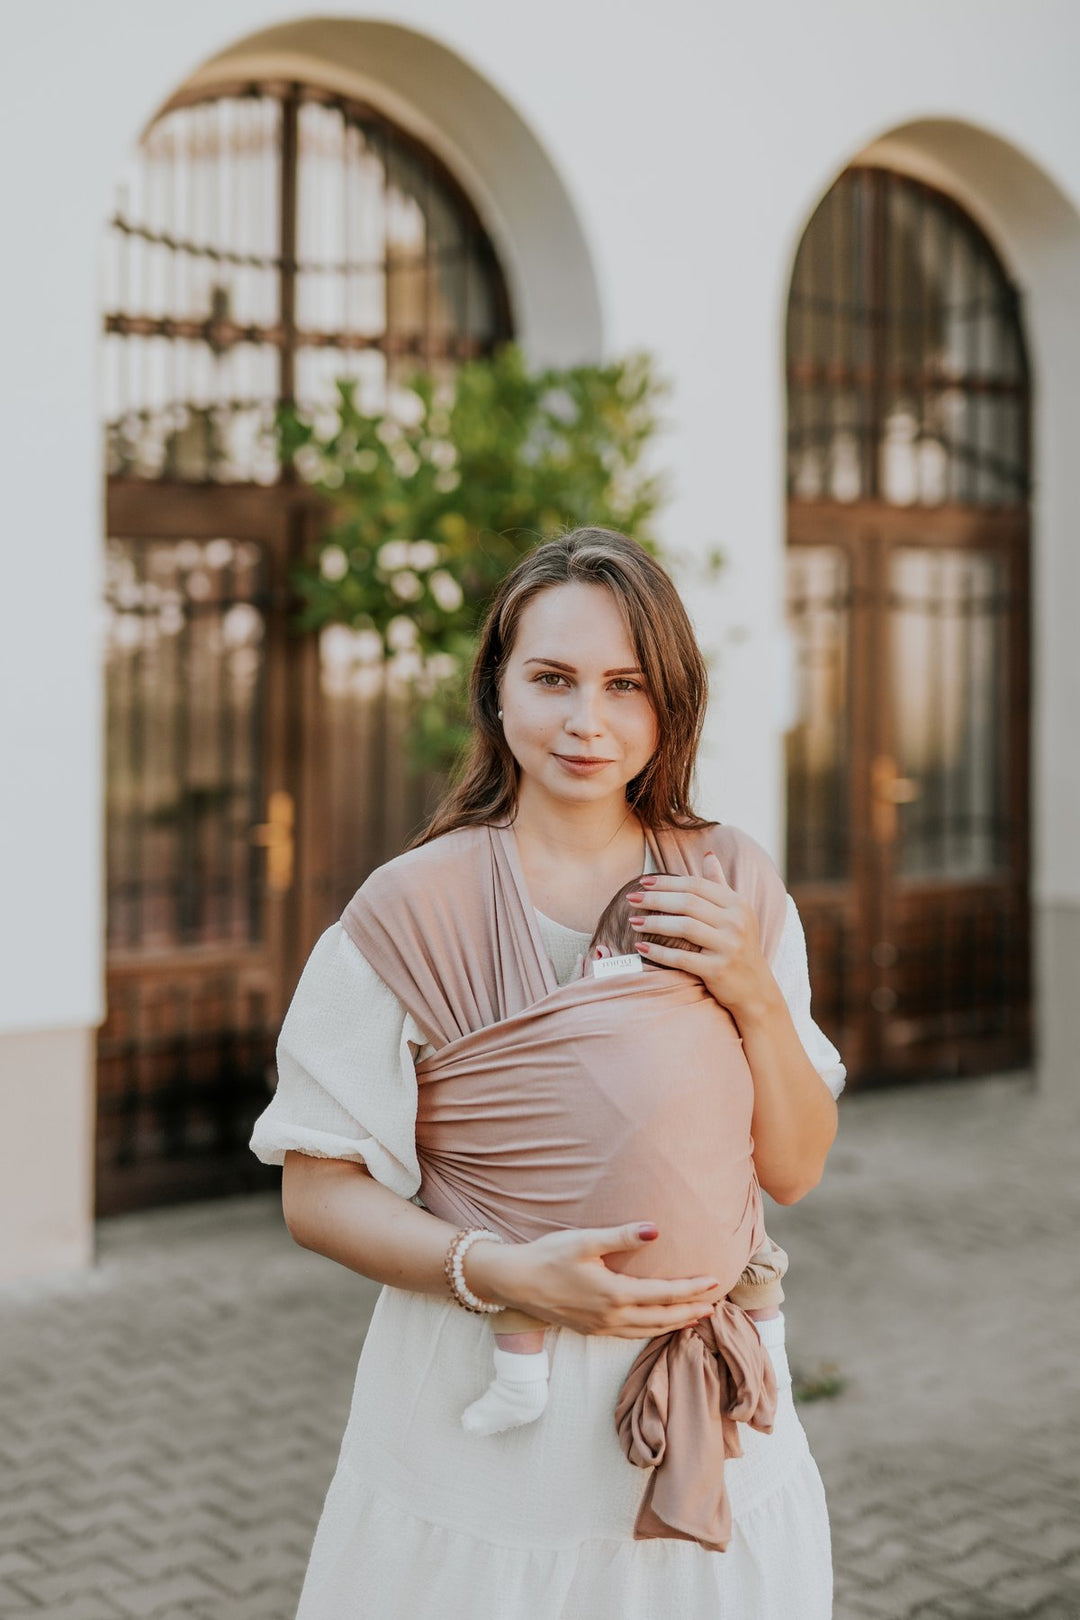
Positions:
(614, 930)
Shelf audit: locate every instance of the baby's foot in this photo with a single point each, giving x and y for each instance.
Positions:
(516, 1395)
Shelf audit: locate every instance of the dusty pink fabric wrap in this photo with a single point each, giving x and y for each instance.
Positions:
(590, 1104)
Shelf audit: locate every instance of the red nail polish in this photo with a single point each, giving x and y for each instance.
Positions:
(649, 881)
(642, 946)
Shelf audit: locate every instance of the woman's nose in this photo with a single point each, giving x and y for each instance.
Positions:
(584, 716)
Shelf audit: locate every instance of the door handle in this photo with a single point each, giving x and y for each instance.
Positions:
(275, 835)
(888, 789)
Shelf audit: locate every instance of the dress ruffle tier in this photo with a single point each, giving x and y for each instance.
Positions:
(425, 1521)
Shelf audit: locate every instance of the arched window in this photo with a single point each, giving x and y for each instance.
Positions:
(907, 381)
(267, 240)
(908, 466)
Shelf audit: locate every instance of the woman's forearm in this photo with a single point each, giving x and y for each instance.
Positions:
(795, 1115)
(338, 1209)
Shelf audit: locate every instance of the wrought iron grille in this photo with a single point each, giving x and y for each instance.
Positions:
(268, 240)
(907, 381)
(185, 676)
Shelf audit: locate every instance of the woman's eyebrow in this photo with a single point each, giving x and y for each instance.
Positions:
(572, 671)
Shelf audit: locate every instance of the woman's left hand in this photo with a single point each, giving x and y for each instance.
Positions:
(707, 911)
(795, 1116)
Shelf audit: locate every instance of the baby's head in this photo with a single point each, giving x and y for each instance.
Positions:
(615, 937)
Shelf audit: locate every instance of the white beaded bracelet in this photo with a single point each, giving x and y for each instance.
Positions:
(455, 1270)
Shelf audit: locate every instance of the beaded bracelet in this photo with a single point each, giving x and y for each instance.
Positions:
(454, 1269)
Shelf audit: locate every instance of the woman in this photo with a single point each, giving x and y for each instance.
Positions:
(588, 695)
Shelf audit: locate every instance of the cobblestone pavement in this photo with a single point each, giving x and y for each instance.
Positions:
(169, 1422)
(936, 1264)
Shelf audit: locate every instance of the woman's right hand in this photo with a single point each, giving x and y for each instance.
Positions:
(562, 1279)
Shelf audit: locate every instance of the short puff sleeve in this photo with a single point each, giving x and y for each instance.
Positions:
(346, 1070)
(791, 972)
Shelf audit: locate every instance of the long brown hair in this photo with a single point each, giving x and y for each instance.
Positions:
(664, 645)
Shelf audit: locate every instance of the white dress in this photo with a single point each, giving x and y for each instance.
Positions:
(423, 1521)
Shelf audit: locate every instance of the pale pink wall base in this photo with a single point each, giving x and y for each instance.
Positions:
(46, 1152)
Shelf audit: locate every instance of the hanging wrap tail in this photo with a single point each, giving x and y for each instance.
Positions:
(546, 1107)
(678, 1414)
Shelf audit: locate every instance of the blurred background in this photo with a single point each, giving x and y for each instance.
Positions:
(789, 292)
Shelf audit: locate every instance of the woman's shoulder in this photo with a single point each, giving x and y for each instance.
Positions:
(748, 868)
(424, 861)
(739, 853)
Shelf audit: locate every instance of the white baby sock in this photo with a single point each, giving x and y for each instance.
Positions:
(517, 1394)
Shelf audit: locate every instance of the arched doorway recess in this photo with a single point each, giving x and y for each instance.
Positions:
(269, 237)
(908, 536)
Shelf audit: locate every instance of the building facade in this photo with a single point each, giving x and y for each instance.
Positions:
(850, 239)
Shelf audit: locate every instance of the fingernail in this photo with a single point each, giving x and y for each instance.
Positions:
(643, 947)
(648, 1230)
(647, 882)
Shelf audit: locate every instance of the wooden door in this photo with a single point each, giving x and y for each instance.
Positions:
(202, 686)
(909, 455)
(908, 784)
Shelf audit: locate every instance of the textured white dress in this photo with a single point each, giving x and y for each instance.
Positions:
(423, 1521)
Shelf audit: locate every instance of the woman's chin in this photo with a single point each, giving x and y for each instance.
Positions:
(597, 785)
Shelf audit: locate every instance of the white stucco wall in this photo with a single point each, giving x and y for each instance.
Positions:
(667, 159)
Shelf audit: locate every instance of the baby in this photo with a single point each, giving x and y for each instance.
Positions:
(518, 1393)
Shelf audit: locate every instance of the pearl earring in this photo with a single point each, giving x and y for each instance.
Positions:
(500, 714)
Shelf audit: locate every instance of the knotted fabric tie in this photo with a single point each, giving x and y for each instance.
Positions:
(678, 1414)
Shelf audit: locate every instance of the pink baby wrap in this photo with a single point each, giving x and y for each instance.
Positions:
(590, 1104)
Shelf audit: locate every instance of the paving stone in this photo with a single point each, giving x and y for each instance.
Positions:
(176, 1553)
(1059, 1608)
(104, 1544)
(960, 1606)
(1031, 1589)
(985, 1564)
(165, 1597)
(13, 1561)
(84, 1606)
(50, 1587)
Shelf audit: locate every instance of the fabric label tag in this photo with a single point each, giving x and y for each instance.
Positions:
(604, 966)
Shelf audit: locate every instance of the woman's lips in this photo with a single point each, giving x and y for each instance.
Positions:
(582, 767)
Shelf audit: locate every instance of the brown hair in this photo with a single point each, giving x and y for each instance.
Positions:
(664, 645)
(614, 930)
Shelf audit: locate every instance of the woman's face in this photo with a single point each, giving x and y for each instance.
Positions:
(572, 690)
